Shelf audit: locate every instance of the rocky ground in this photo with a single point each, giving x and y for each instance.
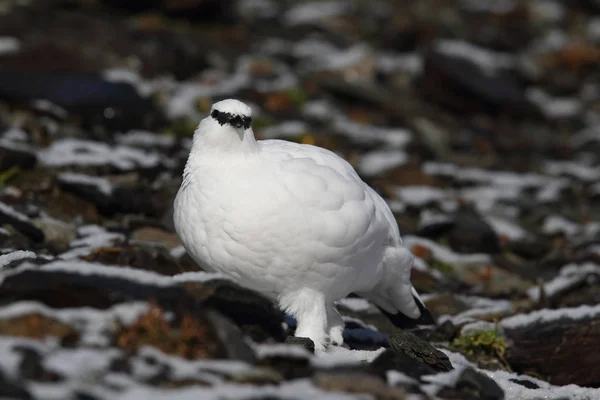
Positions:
(478, 121)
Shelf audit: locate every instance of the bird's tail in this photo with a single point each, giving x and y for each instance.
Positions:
(394, 294)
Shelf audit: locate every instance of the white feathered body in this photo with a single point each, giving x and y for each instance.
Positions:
(279, 216)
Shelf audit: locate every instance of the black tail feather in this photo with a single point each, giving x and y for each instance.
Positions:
(402, 321)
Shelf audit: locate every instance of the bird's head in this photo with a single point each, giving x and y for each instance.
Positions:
(227, 127)
(232, 113)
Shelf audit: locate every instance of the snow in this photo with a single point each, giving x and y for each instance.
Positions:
(480, 326)
(376, 162)
(489, 61)
(355, 304)
(478, 306)
(515, 391)
(399, 378)
(182, 369)
(74, 152)
(200, 276)
(178, 252)
(547, 315)
(287, 129)
(507, 228)
(570, 276)
(9, 258)
(145, 139)
(10, 360)
(391, 62)
(366, 133)
(9, 44)
(552, 190)
(15, 135)
(327, 57)
(486, 197)
(445, 254)
(554, 107)
(8, 210)
(91, 237)
(93, 324)
(231, 391)
(319, 109)
(420, 195)
(338, 356)
(593, 29)
(280, 350)
(82, 364)
(48, 106)
(308, 12)
(102, 184)
(554, 224)
(430, 217)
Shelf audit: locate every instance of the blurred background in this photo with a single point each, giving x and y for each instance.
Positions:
(484, 107)
(477, 120)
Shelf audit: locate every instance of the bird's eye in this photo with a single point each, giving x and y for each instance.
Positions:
(236, 122)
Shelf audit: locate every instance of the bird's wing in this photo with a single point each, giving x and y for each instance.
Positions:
(338, 206)
(293, 152)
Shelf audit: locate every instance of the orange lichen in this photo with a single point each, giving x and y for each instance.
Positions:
(189, 337)
(35, 326)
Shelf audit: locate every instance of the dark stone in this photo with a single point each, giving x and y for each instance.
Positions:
(16, 156)
(13, 390)
(391, 360)
(412, 346)
(31, 366)
(148, 258)
(532, 250)
(307, 343)
(461, 85)
(479, 385)
(257, 316)
(445, 332)
(213, 11)
(526, 383)
(138, 199)
(237, 348)
(20, 222)
(289, 366)
(113, 105)
(471, 234)
(562, 350)
(254, 314)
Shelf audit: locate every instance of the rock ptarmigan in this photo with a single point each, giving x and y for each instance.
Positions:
(292, 221)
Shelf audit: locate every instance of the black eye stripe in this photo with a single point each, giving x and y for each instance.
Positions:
(231, 119)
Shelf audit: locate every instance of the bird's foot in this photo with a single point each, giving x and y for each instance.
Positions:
(336, 335)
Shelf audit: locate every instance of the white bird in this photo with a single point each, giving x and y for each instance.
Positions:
(292, 221)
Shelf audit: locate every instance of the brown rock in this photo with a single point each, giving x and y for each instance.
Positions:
(156, 235)
(357, 383)
(562, 351)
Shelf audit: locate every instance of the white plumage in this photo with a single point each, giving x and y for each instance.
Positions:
(292, 221)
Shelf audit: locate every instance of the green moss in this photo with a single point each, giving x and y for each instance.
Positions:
(259, 122)
(444, 268)
(8, 174)
(181, 127)
(297, 96)
(478, 342)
